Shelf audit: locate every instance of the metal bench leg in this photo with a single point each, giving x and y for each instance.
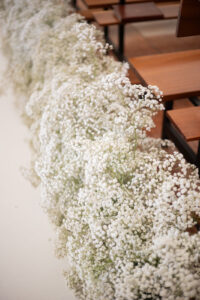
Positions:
(121, 36)
(74, 3)
(198, 158)
(195, 101)
(121, 41)
(106, 31)
(168, 106)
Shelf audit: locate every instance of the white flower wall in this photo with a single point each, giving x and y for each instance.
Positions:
(121, 203)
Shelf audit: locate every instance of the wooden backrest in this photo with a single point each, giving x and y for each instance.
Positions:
(189, 18)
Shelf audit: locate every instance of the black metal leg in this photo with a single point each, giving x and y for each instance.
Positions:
(168, 106)
(74, 3)
(121, 41)
(121, 36)
(195, 101)
(198, 158)
(106, 31)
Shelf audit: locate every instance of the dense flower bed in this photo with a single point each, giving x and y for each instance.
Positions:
(121, 202)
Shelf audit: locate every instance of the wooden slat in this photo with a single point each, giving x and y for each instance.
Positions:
(109, 3)
(176, 74)
(137, 12)
(170, 11)
(106, 18)
(187, 121)
(189, 18)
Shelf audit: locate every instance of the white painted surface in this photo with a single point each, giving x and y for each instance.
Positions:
(29, 269)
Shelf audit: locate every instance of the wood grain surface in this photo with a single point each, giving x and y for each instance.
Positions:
(105, 17)
(177, 74)
(170, 10)
(187, 121)
(136, 12)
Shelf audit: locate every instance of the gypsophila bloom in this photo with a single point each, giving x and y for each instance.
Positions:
(123, 205)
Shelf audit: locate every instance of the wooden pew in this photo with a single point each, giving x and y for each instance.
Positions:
(136, 12)
(108, 17)
(178, 75)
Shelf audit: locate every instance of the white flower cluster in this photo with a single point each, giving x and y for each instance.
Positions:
(124, 205)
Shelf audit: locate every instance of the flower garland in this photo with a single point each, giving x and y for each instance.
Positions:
(121, 202)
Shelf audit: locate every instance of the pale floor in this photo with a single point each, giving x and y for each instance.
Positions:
(29, 269)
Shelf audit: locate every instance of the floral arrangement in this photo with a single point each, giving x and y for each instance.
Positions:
(123, 204)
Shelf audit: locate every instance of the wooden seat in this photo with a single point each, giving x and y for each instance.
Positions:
(177, 74)
(137, 12)
(106, 18)
(170, 10)
(186, 128)
(187, 121)
(166, 11)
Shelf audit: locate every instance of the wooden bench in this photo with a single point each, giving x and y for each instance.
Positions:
(178, 75)
(108, 17)
(136, 12)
